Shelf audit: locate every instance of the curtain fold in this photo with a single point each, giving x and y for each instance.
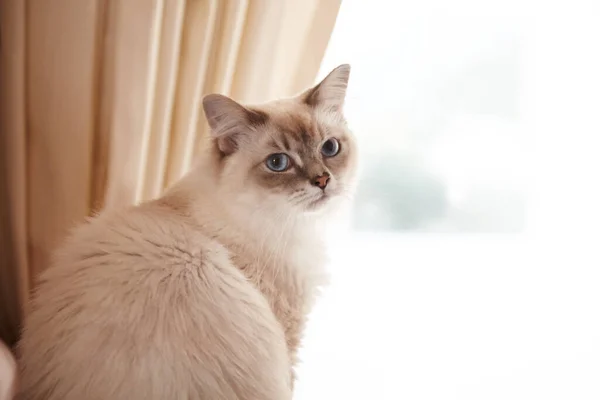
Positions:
(14, 261)
(100, 104)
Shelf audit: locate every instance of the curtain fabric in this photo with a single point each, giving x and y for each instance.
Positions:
(100, 104)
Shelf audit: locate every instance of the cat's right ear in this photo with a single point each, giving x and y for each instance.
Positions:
(230, 122)
(330, 93)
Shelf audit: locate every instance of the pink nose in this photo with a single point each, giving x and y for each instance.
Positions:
(321, 180)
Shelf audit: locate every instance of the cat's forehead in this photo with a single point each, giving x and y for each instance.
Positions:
(293, 121)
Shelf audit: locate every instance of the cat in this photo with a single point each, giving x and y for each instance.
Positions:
(202, 293)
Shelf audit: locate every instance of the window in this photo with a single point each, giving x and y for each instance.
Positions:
(443, 290)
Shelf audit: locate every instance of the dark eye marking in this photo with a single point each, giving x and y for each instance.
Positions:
(286, 143)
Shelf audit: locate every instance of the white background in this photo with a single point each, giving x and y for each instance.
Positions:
(486, 313)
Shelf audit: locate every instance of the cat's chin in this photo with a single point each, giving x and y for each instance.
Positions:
(318, 205)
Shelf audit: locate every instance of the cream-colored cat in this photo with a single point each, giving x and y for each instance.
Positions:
(202, 293)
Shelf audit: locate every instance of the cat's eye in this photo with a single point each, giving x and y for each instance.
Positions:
(278, 162)
(330, 148)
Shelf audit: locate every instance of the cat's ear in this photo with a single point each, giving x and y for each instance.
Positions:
(330, 93)
(230, 122)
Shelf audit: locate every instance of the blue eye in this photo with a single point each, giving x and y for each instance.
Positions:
(278, 162)
(330, 148)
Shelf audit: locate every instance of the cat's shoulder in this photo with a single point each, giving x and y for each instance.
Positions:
(149, 231)
(130, 223)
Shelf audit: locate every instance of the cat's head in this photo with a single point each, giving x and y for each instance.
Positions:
(294, 154)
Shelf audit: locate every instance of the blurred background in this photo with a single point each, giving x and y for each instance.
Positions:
(469, 264)
(438, 100)
(472, 268)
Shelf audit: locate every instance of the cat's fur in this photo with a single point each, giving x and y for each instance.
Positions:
(8, 373)
(202, 293)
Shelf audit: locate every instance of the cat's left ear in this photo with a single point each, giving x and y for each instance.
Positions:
(231, 123)
(330, 93)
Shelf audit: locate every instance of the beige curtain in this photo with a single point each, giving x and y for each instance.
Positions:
(100, 104)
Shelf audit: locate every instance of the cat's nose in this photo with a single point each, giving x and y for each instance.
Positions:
(321, 180)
